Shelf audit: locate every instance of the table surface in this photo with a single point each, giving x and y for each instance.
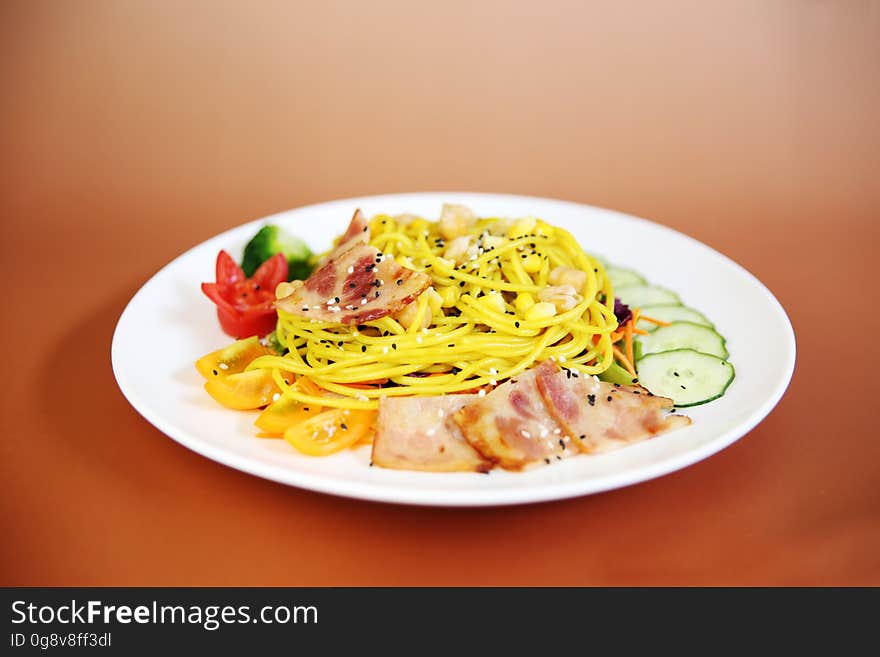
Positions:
(133, 131)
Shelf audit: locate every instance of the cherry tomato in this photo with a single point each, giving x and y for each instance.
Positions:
(246, 306)
(330, 431)
(245, 390)
(232, 359)
(283, 414)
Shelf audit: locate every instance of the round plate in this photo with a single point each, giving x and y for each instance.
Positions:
(169, 323)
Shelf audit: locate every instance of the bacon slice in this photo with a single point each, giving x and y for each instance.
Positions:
(355, 285)
(417, 433)
(358, 232)
(602, 416)
(511, 426)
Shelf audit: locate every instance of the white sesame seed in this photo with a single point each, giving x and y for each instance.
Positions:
(544, 432)
(525, 433)
(419, 339)
(276, 396)
(557, 431)
(363, 301)
(351, 269)
(223, 366)
(431, 431)
(481, 393)
(384, 350)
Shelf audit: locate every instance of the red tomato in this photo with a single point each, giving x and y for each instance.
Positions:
(246, 306)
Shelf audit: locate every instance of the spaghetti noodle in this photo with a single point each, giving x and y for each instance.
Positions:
(495, 308)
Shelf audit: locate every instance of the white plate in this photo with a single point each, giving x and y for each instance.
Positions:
(169, 324)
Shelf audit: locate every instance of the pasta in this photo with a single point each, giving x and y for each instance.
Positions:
(504, 295)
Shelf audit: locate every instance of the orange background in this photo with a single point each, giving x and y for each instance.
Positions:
(134, 130)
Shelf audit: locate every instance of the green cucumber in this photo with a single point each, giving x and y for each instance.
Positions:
(671, 313)
(616, 374)
(645, 295)
(686, 376)
(621, 277)
(684, 335)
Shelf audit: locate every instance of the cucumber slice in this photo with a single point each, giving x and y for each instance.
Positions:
(684, 335)
(646, 295)
(671, 313)
(621, 277)
(686, 376)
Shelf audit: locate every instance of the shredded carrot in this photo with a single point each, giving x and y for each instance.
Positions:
(627, 365)
(628, 333)
(658, 322)
(638, 331)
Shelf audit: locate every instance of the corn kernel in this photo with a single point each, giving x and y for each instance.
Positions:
(382, 223)
(443, 267)
(449, 295)
(523, 302)
(522, 228)
(543, 228)
(532, 263)
(434, 300)
(539, 311)
(494, 302)
(417, 226)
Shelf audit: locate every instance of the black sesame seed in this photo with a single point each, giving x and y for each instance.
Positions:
(683, 388)
(637, 392)
(215, 372)
(400, 281)
(609, 397)
(675, 373)
(393, 346)
(547, 461)
(591, 400)
(377, 294)
(616, 385)
(450, 345)
(461, 284)
(363, 347)
(351, 285)
(583, 436)
(343, 426)
(562, 443)
(516, 324)
(305, 408)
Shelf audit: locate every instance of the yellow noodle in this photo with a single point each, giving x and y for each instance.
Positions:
(480, 340)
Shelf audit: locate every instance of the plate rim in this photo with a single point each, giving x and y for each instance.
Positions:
(448, 497)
